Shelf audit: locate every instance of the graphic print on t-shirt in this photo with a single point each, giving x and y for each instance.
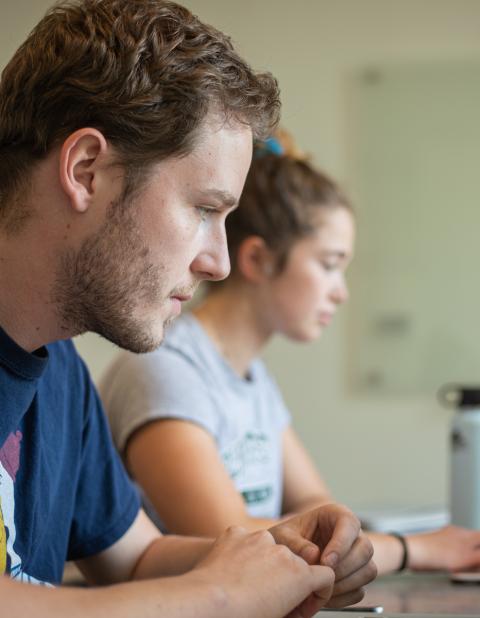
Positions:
(248, 462)
(10, 561)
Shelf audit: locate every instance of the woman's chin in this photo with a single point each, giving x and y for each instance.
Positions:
(306, 335)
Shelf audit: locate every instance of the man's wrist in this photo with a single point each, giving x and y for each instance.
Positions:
(212, 593)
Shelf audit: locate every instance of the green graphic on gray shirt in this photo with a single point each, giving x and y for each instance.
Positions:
(252, 496)
(248, 462)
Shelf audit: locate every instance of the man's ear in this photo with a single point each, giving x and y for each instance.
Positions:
(255, 261)
(79, 162)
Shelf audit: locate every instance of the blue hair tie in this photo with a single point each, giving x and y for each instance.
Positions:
(269, 146)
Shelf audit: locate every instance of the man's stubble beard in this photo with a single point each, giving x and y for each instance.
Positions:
(103, 285)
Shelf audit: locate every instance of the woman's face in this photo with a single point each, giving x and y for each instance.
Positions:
(304, 297)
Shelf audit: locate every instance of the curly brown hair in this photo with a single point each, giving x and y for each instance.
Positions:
(144, 72)
(281, 200)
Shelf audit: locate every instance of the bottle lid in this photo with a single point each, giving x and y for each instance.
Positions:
(458, 396)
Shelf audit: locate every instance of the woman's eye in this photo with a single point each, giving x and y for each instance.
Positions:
(329, 266)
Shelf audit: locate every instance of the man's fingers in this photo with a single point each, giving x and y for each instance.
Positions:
(360, 555)
(321, 586)
(298, 544)
(309, 607)
(344, 600)
(356, 580)
(323, 582)
(345, 532)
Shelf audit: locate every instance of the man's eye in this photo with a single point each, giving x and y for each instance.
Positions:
(205, 211)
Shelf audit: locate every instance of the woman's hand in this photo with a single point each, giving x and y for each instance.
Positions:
(448, 549)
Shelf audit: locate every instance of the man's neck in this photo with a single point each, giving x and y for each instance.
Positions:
(27, 313)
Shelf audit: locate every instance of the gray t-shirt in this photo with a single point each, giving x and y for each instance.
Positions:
(187, 378)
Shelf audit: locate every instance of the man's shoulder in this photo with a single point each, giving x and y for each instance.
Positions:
(64, 356)
(66, 369)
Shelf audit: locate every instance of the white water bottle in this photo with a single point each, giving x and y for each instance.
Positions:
(464, 456)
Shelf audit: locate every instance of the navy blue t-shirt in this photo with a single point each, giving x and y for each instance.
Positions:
(64, 494)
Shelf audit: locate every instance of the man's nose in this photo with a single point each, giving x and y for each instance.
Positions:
(212, 262)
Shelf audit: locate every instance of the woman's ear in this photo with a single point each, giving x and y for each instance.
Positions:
(255, 261)
(79, 163)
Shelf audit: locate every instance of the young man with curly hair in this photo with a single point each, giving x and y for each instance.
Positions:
(126, 133)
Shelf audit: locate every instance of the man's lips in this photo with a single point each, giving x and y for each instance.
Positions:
(182, 297)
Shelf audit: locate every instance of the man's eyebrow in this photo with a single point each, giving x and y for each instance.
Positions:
(226, 198)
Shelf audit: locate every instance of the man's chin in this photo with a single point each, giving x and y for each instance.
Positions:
(139, 340)
(143, 348)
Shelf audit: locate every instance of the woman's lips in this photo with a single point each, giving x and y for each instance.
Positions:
(325, 318)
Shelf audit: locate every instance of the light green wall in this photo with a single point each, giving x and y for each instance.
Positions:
(413, 317)
(371, 451)
(391, 450)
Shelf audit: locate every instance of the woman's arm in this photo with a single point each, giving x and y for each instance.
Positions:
(179, 467)
(448, 549)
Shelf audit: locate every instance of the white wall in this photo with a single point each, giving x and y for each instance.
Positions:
(390, 451)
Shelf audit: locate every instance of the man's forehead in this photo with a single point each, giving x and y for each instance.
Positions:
(214, 170)
(216, 135)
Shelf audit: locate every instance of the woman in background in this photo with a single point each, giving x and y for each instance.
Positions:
(200, 422)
